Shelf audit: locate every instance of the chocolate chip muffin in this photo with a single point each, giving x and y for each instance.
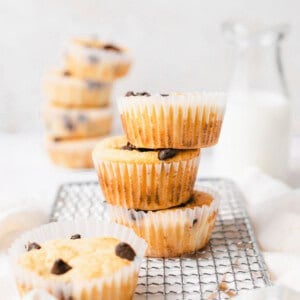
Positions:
(73, 123)
(72, 153)
(64, 89)
(174, 120)
(97, 60)
(99, 262)
(174, 231)
(142, 178)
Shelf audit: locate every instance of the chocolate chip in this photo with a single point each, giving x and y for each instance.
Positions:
(195, 221)
(93, 59)
(82, 118)
(132, 216)
(164, 95)
(75, 236)
(68, 123)
(128, 146)
(131, 147)
(111, 47)
(93, 84)
(60, 267)
(144, 149)
(67, 73)
(124, 250)
(143, 94)
(31, 246)
(166, 154)
(57, 139)
(131, 93)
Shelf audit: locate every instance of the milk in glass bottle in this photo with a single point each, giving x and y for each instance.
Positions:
(256, 128)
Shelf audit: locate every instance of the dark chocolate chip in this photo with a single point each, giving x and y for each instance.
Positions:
(166, 154)
(93, 84)
(132, 216)
(144, 149)
(67, 73)
(60, 267)
(143, 94)
(124, 250)
(68, 123)
(131, 147)
(111, 47)
(129, 93)
(75, 236)
(195, 221)
(57, 139)
(31, 246)
(128, 146)
(164, 95)
(82, 118)
(93, 59)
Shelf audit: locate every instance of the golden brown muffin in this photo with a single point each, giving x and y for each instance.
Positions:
(77, 123)
(175, 120)
(63, 89)
(73, 153)
(174, 231)
(144, 178)
(94, 59)
(80, 263)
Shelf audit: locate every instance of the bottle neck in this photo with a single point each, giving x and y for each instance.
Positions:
(259, 68)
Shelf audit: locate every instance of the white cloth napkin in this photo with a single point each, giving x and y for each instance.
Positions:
(274, 210)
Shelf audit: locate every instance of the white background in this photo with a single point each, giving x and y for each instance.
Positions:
(177, 45)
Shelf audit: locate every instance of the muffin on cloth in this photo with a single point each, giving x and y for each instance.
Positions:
(80, 260)
(72, 153)
(63, 89)
(175, 120)
(144, 178)
(174, 231)
(97, 60)
(77, 122)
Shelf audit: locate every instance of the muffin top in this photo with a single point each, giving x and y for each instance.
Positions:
(77, 258)
(198, 198)
(117, 149)
(65, 77)
(97, 44)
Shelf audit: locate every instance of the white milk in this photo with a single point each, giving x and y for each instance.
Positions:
(255, 133)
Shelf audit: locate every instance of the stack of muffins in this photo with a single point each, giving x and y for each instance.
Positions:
(148, 176)
(78, 111)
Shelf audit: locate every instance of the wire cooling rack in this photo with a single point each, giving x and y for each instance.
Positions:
(231, 262)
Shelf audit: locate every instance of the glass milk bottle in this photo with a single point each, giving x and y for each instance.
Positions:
(256, 128)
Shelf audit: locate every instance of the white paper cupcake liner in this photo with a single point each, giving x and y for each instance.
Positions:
(147, 186)
(108, 287)
(179, 120)
(77, 123)
(171, 232)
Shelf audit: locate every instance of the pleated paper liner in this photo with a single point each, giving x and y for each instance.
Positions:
(120, 285)
(171, 232)
(147, 186)
(178, 120)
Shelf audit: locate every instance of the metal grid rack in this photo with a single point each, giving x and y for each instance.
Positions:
(230, 263)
